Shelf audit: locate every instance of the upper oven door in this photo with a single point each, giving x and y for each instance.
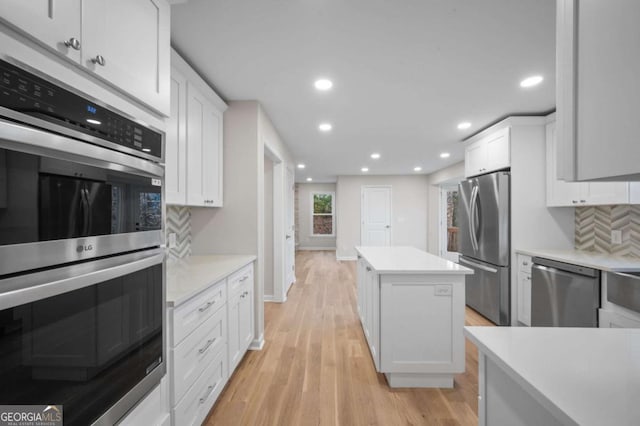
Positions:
(63, 200)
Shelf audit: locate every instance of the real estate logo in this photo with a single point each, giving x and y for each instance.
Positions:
(30, 415)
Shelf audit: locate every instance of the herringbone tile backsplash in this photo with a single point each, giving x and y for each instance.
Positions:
(179, 221)
(594, 226)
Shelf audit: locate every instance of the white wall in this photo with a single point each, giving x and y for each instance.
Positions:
(305, 239)
(409, 211)
(435, 179)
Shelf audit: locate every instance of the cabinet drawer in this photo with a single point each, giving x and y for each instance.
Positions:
(197, 351)
(199, 399)
(188, 316)
(524, 263)
(238, 280)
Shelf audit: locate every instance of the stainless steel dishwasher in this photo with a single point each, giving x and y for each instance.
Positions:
(564, 295)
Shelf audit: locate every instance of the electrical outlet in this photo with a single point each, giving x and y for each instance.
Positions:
(616, 236)
(172, 239)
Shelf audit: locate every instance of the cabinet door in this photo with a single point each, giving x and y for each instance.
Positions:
(524, 298)
(132, 36)
(234, 348)
(559, 192)
(176, 142)
(245, 328)
(611, 319)
(204, 150)
(373, 311)
(498, 148)
(360, 283)
(474, 158)
(51, 22)
(597, 92)
(603, 193)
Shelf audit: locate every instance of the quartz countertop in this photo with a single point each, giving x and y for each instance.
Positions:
(590, 259)
(583, 376)
(408, 260)
(189, 276)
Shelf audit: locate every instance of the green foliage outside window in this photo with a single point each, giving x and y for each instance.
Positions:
(322, 203)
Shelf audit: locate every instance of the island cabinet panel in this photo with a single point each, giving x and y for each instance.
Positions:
(417, 325)
(411, 306)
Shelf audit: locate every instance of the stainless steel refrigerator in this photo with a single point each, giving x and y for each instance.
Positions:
(484, 235)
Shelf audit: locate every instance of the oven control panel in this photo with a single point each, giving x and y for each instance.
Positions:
(26, 93)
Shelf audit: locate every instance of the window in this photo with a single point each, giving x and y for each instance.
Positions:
(322, 214)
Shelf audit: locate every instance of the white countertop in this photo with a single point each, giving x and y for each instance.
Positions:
(590, 259)
(188, 277)
(584, 376)
(408, 260)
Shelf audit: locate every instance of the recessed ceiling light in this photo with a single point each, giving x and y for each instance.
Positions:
(445, 155)
(323, 84)
(94, 121)
(301, 166)
(325, 127)
(417, 169)
(464, 125)
(531, 81)
(375, 155)
(309, 179)
(365, 169)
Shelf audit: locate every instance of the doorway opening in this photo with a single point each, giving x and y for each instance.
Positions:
(449, 221)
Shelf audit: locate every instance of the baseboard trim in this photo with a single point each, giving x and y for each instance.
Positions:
(315, 248)
(346, 258)
(257, 344)
(272, 299)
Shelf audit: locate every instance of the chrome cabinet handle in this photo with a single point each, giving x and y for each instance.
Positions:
(99, 60)
(529, 278)
(525, 263)
(574, 201)
(207, 306)
(206, 346)
(209, 390)
(243, 295)
(243, 279)
(368, 269)
(583, 201)
(73, 43)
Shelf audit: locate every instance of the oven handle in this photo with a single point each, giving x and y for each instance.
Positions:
(23, 289)
(40, 142)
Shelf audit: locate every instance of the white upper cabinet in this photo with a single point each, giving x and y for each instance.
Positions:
(492, 152)
(561, 193)
(598, 95)
(176, 142)
(194, 144)
(56, 23)
(122, 42)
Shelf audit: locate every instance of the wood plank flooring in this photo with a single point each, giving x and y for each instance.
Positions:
(315, 368)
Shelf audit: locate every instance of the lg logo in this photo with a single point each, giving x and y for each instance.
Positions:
(82, 248)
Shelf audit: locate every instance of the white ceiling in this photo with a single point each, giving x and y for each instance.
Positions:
(405, 72)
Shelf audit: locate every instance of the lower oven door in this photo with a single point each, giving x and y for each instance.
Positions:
(89, 337)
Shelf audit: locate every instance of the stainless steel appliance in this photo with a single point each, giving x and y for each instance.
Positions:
(82, 288)
(70, 188)
(623, 289)
(484, 243)
(564, 295)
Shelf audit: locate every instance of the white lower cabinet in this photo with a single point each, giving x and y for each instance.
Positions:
(524, 289)
(369, 305)
(208, 336)
(240, 316)
(611, 319)
(152, 410)
(196, 404)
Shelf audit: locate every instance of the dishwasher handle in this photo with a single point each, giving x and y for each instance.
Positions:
(567, 267)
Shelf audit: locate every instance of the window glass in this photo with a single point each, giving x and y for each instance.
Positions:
(322, 214)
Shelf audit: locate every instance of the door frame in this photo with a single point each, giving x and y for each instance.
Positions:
(279, 219)
(363, 188)
(442, 223)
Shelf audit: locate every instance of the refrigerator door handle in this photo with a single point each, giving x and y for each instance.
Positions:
(473, 226)
(477, 265)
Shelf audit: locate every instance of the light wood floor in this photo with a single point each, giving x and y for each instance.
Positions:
(315, 368)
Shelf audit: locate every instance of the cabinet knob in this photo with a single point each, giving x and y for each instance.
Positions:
(583, 201)
(525, 263)
(73, 43)
(368, 269)
(99, 60)
(574, 201)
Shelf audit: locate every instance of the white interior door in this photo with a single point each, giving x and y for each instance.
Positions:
(290, 249)
(448, 222)
(376, 216)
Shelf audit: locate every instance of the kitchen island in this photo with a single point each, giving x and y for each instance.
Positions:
(557, 376)
(411, 306)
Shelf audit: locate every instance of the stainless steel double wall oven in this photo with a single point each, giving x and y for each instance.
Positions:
(81, 265)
